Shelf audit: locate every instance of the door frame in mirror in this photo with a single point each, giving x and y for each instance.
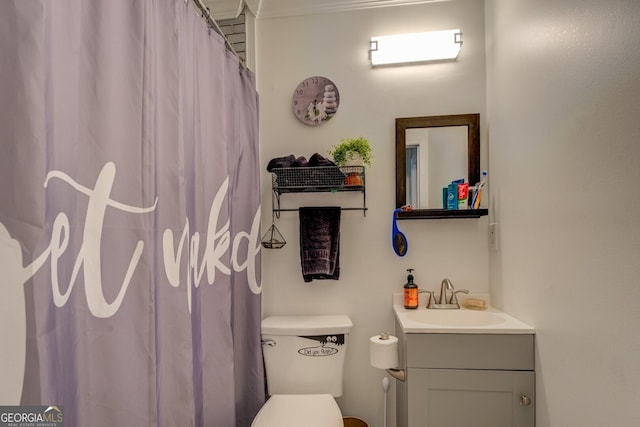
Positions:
(472, 122)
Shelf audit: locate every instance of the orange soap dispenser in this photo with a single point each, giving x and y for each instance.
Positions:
(410, 292)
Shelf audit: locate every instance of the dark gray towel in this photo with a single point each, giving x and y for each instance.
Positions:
(320, 242)
(281, 162)
(319, 160)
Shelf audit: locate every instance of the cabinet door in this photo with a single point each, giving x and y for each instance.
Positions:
(461, 398)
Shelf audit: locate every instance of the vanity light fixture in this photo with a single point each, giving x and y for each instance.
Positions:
(415, 47)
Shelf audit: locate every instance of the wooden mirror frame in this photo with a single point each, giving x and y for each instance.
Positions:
(472, 122)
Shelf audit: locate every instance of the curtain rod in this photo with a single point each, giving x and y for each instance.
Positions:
(206, 14)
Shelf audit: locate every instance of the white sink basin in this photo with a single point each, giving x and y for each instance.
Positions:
(446, 321)
(460, 317)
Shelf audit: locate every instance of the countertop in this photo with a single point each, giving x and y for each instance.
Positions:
(458, 321)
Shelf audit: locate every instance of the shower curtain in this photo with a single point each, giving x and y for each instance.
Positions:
(129, 216)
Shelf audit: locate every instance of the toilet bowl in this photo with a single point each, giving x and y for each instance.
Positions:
(296, 410)
(304, 363)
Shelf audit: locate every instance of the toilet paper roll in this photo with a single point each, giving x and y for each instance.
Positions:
(383, 352)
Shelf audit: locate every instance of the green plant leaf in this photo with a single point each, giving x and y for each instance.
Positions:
(345, 151)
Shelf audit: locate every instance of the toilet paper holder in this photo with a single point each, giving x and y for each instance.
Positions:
(399, 374)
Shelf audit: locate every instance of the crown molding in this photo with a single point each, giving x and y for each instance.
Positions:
(225, 9)
(229, 9)
(282, 8)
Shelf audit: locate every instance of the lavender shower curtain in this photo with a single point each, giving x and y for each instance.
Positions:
(129, 216)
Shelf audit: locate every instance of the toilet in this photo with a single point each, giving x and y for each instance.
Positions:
(304, 362)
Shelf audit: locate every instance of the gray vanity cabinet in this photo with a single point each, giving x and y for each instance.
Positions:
(458, 398)
(460, 380)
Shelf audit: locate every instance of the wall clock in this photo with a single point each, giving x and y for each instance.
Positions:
(315, 100)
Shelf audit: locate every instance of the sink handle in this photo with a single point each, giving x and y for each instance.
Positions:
(454, 298)
(431, 299)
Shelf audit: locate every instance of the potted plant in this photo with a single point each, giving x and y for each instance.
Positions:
(352, 152)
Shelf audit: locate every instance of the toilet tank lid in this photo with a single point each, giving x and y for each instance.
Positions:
(306, 325)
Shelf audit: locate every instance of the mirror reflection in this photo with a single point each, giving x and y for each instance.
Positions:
(434, 157)
(432, 151)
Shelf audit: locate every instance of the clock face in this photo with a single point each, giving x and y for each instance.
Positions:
(315, 100)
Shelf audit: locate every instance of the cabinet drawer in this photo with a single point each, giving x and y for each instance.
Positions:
(470, 351)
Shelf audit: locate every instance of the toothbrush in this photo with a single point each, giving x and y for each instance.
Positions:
(478, 194)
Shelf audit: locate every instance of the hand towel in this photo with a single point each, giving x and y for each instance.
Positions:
(320, 242)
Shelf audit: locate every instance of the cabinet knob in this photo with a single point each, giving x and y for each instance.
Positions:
(525, 400)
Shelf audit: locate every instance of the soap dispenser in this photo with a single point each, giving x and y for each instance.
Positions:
(410, 292)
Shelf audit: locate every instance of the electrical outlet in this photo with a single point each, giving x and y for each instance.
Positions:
(493, 236)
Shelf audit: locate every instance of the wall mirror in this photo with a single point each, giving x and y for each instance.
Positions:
(432, 151)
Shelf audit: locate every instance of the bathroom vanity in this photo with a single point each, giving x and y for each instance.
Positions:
(464, 368)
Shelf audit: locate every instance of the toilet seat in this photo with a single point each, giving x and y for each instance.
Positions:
(295, 410)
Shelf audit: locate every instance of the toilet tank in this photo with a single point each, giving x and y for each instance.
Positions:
(305, 354)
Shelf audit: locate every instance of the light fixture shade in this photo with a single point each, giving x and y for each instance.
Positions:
(415, 47)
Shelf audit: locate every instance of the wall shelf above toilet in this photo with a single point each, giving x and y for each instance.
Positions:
(319, 179)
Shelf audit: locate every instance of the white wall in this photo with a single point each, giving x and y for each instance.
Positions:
(335, 45)
(564, 133)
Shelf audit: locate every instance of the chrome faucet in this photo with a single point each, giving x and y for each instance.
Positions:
(443, 301)
(445, 286)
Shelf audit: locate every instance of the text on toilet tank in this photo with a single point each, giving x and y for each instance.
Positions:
(326, 347)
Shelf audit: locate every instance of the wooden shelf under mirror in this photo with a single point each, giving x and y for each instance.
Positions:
(442, 213)
(469, 162)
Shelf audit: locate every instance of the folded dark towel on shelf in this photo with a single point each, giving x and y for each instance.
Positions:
(320, 242)
(317, 172)
(281, 162)
(292, 161)
(300, 162)
(319, 160)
